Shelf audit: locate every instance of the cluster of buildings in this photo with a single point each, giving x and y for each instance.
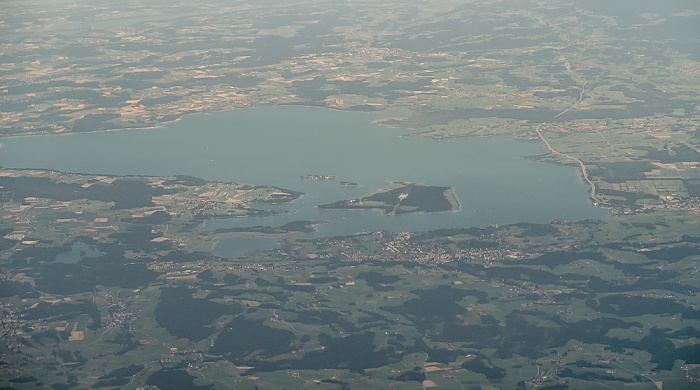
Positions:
(403, 247)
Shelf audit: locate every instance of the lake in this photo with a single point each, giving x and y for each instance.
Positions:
(491, 177)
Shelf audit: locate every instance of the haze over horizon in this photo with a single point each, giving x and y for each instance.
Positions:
(340, 194)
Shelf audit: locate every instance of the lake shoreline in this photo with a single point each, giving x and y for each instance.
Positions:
(454, 201)
(275, 146)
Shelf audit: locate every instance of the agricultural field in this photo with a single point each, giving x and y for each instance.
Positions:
(110, 281)
(521, 305)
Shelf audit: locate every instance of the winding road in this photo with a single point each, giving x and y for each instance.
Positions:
(538, 130)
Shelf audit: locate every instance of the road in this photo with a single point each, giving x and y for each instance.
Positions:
(538, 130)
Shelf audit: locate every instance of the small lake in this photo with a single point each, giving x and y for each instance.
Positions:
(78, 251)
(493, 180)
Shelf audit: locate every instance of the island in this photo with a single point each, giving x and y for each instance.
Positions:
(317, 177)
(287, 228)
(109, 282)
(403, 199)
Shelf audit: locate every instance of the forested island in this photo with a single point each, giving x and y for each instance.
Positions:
(404, 199)
(109, 280)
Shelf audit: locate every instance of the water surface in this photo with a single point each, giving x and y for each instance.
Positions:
(493, 180)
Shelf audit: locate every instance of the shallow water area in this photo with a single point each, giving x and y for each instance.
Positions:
(491, 177)
(78, 251)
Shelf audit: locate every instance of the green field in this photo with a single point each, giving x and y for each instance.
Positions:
(108, 282)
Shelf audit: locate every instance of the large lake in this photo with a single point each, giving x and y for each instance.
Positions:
(493, 180)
